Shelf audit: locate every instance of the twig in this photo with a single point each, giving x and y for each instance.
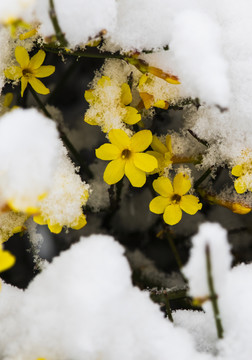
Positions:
(58, 32)
(203, 177)
(213, 295)
(63, 136)
(203, 142)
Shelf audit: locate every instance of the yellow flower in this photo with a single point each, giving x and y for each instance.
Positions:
(244, 181)
(127, 157)
(29, 70)
(96, 98)
(57, 228)
(172, 199)
(147, 98)
(162, 152)
(7, 260)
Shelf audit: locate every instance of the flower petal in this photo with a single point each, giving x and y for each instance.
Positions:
(37, 60)
(119, 138)
(107, 152)
(181, 184)
(132, 116)
(114, 171)
(104, 81)
(158, 204)
(237, 170)
(13, 72)
(190, 204)
(126, 96)
(136, 176)
(80, 223)
(157, 145)
(163, 186)
(7, 260)
(172, 214)
(141, 140)
(24, 82)
(44, 71)
(89, 120)
(89, 96)
(168, 143)
(38, 86)
(161, 104)
(22, 56)
(240, 185)
(54, 228)
(145, 162)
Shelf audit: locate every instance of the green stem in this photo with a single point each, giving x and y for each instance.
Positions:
(58, 32)
(213, 295)
(202, 178)
(94, 53)
(63, 136)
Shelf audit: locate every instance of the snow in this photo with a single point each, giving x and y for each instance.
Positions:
(83, 305)
(210, 235)
(26, 170)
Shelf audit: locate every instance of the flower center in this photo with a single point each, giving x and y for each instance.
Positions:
(126, 153)
(176, 198)
(26, 72)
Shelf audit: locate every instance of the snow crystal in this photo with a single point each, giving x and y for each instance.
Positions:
(214, 236)
(15, 9)
(26, 170)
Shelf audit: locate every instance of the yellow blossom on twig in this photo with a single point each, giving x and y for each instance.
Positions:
(127, 157)
(29, 70)
(172, 199)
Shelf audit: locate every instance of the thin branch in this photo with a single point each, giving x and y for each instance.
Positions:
(203, 177)
(63, 136)
(213, 295)
(58, 32)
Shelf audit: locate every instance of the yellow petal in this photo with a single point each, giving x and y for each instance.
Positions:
(107, 152)
(22, 56)
(8, 99)
(7, 260)
(190, 204)
(39, 220)
(158, 204)
(89, 96)
(132, 116)
(119, 138)
(161, 104)
(163, 186)
(126, 96)
(38, 86)
(181, 184)
(148, 99)
(240, 186)
(90, 120)
(13, 73)
(172, 214)
(168, 143)
(54, 228)
(28, 34)
(114, 171)
(237, 170)
(143, 80)
(37, 60)
(145, 162)
(240, 209)
(44, 71)
(104, 81)
(136, 176)
(24, 82)
(81, 223)
(157, 145)
(141, 140)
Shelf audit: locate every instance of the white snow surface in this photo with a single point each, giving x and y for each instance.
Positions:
(213, 236)
(29, 147)
(83, 305)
